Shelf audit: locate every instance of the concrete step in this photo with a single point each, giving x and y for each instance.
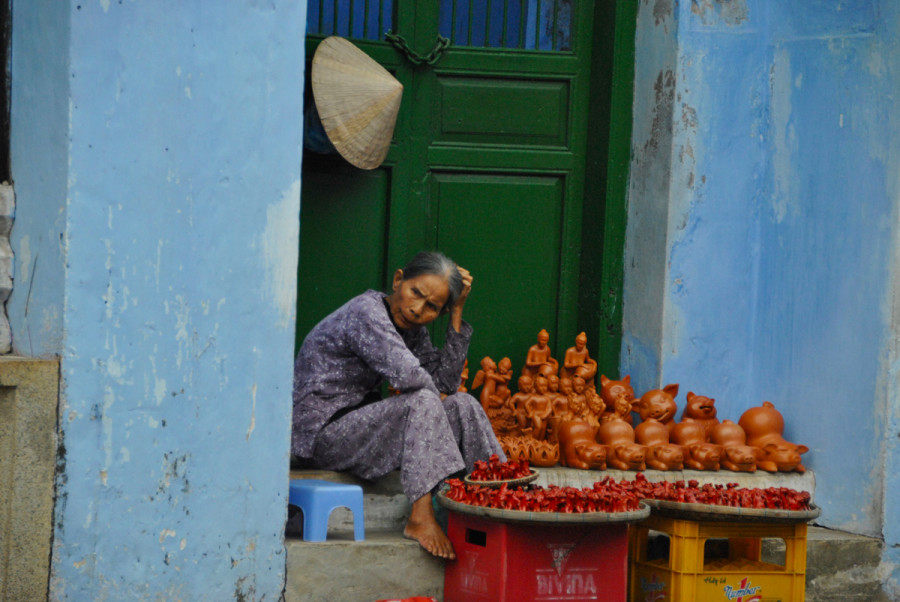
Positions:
(384, 566)
(843, 566)
(840, 566)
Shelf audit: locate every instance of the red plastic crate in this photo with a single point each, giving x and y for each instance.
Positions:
(498, 562)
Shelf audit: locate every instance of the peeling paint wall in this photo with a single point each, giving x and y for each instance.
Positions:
(156, 154)
(765, 169)
(648, 196)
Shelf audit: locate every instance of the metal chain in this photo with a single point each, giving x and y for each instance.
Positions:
(398, 42)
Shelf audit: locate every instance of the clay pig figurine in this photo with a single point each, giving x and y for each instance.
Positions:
(737, 456)
(660, 455)
(626, 456)
(621, 450)
(702, 410)
(764, 427)
(577, 447)
(699, 454)
(659, 404)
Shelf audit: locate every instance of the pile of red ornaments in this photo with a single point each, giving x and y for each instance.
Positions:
(603, 497)
(732, 494)
(495, 470)
(608, 495)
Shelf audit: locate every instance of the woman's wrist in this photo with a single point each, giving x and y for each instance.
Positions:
(456, 318)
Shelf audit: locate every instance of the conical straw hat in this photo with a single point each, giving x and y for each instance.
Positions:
(357, 100)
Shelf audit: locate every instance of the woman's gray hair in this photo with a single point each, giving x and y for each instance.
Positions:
(433, 262)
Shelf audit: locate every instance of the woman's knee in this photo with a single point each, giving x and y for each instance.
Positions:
(462, 404)
(423, 400)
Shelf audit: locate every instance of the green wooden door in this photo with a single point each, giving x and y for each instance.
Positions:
(487, 165)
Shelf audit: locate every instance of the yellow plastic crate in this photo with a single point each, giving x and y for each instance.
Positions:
(715, 560)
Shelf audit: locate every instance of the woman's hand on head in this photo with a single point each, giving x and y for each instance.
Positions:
(467, 286)
(457, 309)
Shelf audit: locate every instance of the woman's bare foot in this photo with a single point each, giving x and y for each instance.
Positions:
(424, 528)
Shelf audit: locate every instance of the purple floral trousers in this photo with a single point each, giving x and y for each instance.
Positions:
(427, 438)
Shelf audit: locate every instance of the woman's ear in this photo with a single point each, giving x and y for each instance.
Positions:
(398, 278)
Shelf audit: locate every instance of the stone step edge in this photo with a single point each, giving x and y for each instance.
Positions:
(816, 537)
(563, 476)
(372, 537)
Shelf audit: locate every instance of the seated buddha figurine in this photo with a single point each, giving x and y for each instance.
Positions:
(578, 362)
(539, 360)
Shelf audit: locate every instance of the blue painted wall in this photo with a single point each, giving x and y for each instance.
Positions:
(156, 155)
(761, 247)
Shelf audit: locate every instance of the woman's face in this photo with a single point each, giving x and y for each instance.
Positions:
(417, 301)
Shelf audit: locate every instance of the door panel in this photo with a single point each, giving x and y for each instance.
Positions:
(480, 110)
(343, 226)
(506, 229)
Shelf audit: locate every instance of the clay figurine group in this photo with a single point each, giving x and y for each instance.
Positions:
(558, 415)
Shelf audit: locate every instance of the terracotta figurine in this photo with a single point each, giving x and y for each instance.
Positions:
(596, 407)
(621, 411)
(494, 398)
(577, 447)
(702, 410)
(515, 447)
(561, 401)
(764, 427)
(538, 408)
(558, 403)
(486, 378)
(610, 390)
(618, 436)
(699, 454)
(578, 362)
(577, 402)
(516, 403)
(538, 360)
(542, 453)
(661, 455)
(736, 454)
(505, 374)
(659, 404)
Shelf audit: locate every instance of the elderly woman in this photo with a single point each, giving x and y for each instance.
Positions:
(340, 421)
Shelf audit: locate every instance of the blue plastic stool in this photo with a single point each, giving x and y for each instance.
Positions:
(318, 498)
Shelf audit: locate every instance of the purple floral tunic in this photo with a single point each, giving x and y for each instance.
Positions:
(340, 421)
